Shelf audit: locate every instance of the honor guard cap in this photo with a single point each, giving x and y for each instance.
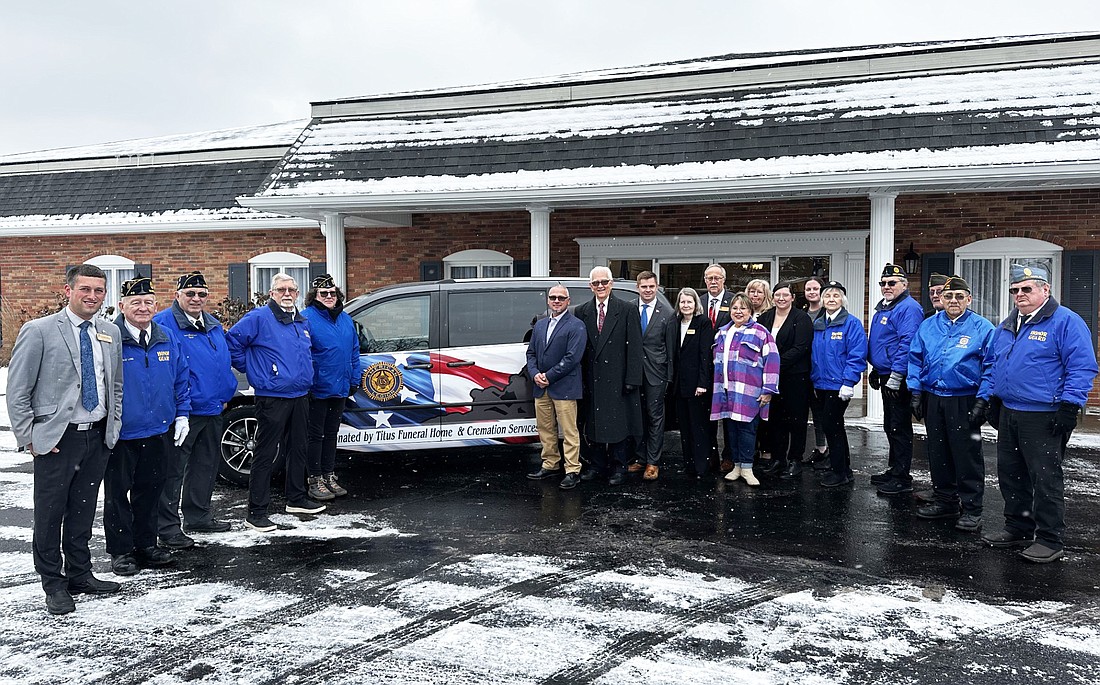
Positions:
(1019, 272)
(895, 271)
(956, 283)
(195, 279)
(138, 285)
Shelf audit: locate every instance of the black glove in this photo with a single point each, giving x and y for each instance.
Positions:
(978, 413)
(873, 380)
(916, 405)
(352, 390)
(627, 389)
(1065, 419)
(993, 412)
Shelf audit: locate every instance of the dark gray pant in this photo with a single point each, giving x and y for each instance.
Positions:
(897, 420)
(66, 490)
(954, 452)
(132, 486)
(281, 424)
(1029, 470)
(324, 427)
(189, 476)
(832, 422)
(653, 413)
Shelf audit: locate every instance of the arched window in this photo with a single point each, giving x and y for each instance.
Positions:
(264, 266)
(477, 264)
(984, 264)
(118, 270)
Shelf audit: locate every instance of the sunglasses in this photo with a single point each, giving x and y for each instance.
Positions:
(888, 284)
(953, 296)
(284, 291)
(326, 293)
(1025, 289)
(600, 283)
(557, 298)
(195, 293)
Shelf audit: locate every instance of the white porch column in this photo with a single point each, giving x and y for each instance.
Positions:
(540, 241)
(881, 254)
(335, 249)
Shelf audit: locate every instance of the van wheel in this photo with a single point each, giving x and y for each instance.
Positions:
(238, 444)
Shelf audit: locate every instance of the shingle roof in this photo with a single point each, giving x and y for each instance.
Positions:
(140, 190)
(1009, 114)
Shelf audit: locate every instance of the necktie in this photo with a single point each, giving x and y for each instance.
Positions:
(714, 312)
(198, 325)
(599, 320)
(645, 316)
(143, 340)
(89, 394)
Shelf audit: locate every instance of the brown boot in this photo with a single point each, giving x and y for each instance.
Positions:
(651, 473)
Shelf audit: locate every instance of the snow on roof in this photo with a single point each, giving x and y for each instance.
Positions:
(1069, 95)
(724, 63)
(282, 134)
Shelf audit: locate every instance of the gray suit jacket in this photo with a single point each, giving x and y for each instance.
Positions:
(657, 343)
(44, 380)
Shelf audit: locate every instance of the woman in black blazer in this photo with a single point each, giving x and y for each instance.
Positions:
(793, 331)
(693, 379)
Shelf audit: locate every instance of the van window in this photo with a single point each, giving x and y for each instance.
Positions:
(396, 325)
(492, 317)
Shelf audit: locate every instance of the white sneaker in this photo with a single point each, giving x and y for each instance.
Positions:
(749, 478)
(305, 507)
(734, 474)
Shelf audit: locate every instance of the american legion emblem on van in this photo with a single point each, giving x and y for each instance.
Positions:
(382, 381)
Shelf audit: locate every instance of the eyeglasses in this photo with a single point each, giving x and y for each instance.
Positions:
(600, 283)
(326, 293)
(953, 296)
(1025, 289)
(195, 293)
(711, 279)
(888, 284)
(284, 291)
(557, 298)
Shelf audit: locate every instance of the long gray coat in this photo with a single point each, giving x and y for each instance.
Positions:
(612, 361)
(44, 380)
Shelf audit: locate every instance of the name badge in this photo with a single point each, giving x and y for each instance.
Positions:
(103, 337)
(723, 309)
(690, 331)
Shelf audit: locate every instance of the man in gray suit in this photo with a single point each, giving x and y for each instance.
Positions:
(65, 405)
(654, 317)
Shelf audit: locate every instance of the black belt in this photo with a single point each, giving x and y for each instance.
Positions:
(88, 426)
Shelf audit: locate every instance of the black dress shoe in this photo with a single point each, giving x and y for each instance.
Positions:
(60, 602)
(589, 474)
(94, 586)
(938, 510)
(617, 478)
(835, 480)
(895, 487)
(541, 474)
(212, 526)
(124, 564)
(177, 541)
(882, 478)
(570, 481)
(793, 470)
(153, 557)
(768, 467)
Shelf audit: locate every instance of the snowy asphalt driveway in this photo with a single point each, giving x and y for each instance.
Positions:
(453, 568)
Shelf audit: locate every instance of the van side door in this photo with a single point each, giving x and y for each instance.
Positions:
(398, 402)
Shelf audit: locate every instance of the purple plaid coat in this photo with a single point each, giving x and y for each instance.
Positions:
(752, 370)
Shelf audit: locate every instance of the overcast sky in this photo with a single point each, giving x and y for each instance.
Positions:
(81, 72)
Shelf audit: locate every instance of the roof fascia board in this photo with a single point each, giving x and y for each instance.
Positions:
(1018, 177)
(75, 227)
(146, 160)
(981, 58)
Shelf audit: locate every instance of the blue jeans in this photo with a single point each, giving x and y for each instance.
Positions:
(741, 437)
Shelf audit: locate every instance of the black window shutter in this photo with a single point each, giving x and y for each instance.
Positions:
(521, 267)
(315, 269)
(431, 271)
(147, 271)
(935, 263)
(238, 282)
(1080, 271)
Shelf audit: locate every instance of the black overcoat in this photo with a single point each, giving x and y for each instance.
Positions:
(612, 361)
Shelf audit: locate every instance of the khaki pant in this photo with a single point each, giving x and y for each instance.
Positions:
(549, 414)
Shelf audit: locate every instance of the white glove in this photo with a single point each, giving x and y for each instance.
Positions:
(895, 381)
(183, 427)
(846, 392)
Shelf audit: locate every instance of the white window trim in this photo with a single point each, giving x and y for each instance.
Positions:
(281, 261)
(112, 264)
(1008, 250)
(478, 258)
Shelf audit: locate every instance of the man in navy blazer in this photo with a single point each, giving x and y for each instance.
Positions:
(554, 364)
